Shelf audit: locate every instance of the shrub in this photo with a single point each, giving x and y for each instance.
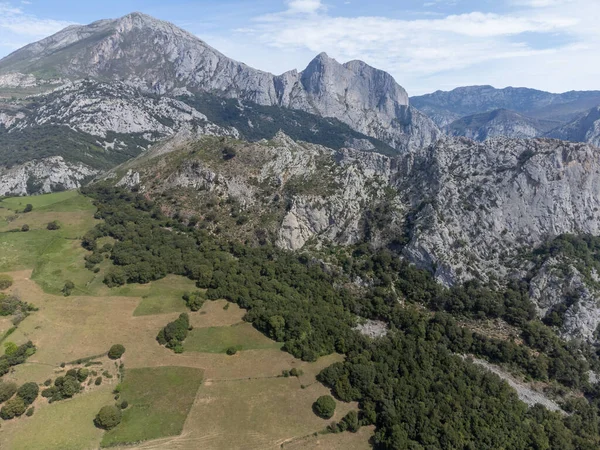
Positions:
(115, 277)
(68, 288)
(6, 281)
(124, 404)
(108, 417)
(28, 392)
(48, 382)
(7, 390)
(324, 407)
(229, 153)
(231, 351)
(194, 300)
(296, 372)
(350, 422)
(70, 387)
(50, 392)
(25, 227)
(98, 381)
(54, 225)
(116, 351)
(30, 411)
(15, 407)
(10, 348)
(71, 373)
(28, 208)
(82, 374)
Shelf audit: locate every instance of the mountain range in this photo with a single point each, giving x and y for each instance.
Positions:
(336, 154)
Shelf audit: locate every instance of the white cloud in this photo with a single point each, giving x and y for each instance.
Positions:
(15, 22)
(422, 52)
(305, 6)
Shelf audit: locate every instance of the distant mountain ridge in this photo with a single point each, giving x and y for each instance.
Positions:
(444, 107)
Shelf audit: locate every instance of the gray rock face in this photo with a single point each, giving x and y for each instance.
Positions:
(477, 204)
(499, 123)
(158, 57)
(584, 129)
(43, 176)
(558, 280)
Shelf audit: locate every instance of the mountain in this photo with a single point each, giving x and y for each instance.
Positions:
(159, 58)
(583, 129)
(500, 122)
(462, 210)
(445, 107)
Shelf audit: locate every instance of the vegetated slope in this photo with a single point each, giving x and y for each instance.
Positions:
(409, 383)
(158, 57)
(585, 128)
(459, 209)
(498, 123)
(445, 107)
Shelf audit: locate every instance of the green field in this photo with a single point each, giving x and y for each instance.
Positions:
(165, 296)
(66, 425)
(160, 399)
(241, 336)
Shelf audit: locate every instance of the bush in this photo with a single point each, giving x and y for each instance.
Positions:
(28, 208)
(194, 300)
(124, 404)
(115, 277)
(15, 407)
(50, 392)
(7, 390)
(25, 227)
(82, 374)
(48, 382)
(324, 407)
(71, 373)
(116, 351)
(98, 381)
(30, 411)
(231, 351)
(350, 422)
(6, 281)
(68, 288)
(296, 372)
(28, 392)
(108, 417)
(10, 348)
(54, 225)
(70, 387)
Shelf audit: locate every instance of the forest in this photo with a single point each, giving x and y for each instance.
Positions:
(412, 384)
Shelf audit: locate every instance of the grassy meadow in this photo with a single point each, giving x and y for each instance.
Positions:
(201, 398)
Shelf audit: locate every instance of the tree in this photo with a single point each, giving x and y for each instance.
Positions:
(108, 417)
(28, 208)
(54, 225)
(231, 351)
(350, 422)
(28, 392)
(324, 407)
(25, 227)
(10, 348)
(82, 374)
(194, 300)
(30, 411)
(15, 407)
(116, 351)
(70, 387)
(68, 288)
(7, 390)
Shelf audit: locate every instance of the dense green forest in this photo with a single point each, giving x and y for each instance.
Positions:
(411, 384)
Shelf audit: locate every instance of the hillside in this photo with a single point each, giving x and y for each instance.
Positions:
(499, 123)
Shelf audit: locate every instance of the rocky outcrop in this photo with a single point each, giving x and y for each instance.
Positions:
(43, 176)
(474, 205)
(559, 284)
(367, 99)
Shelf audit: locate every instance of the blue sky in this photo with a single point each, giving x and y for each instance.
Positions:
(426, 45)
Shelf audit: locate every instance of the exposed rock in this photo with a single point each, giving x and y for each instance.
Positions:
(43, 176)
(372, 328)
(367, 99)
